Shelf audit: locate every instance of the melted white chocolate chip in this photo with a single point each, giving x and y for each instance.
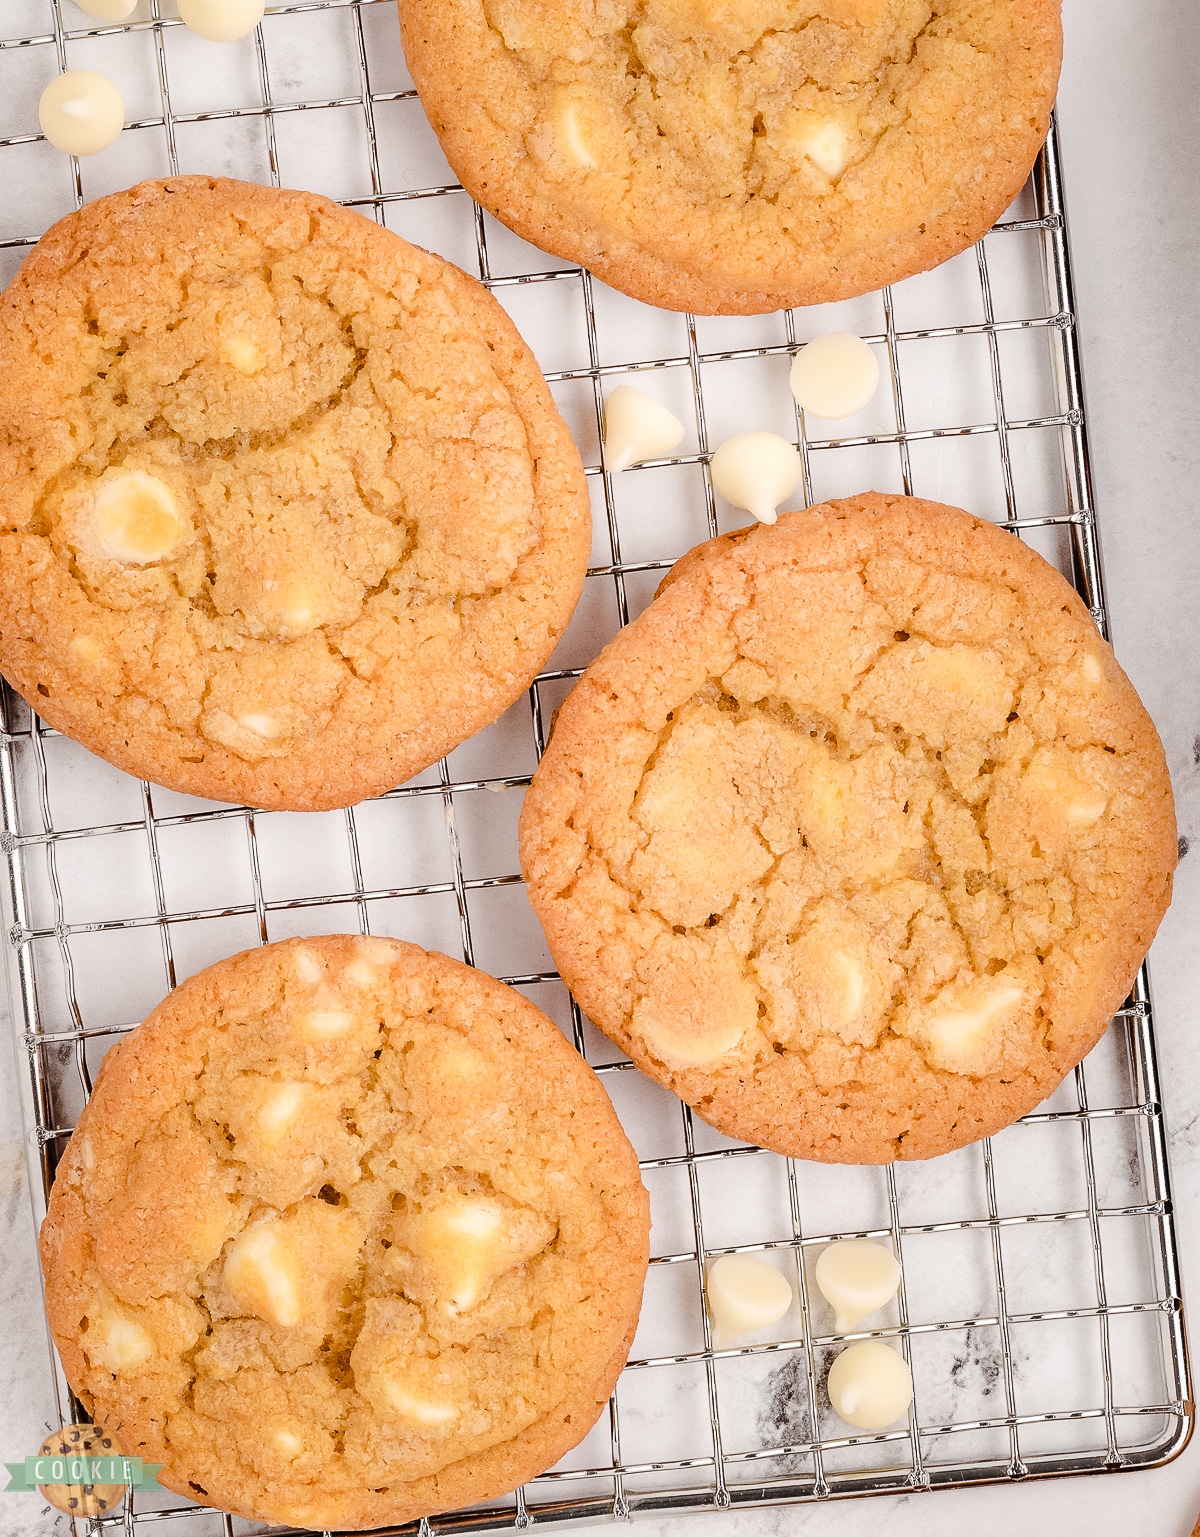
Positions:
(870, 1385)
(107, 10)
(569, 134)
(81, 112)
(265, 726)
(262, 1275)
(962, 1023)
(756, 471)
(466, 1242)
(1093, 670)
(323, 1024)
(415, 1409)
(827, 145)
(637, 427)
(242, 353)
(117, 1343)
(135, 517)
(86, 647)
(857, 1278)
(282, 1105)
(287, 1444)
(835, 376)
(309, 968)
(221, 21)
(744, 1293)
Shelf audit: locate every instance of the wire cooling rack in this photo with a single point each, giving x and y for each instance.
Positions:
(1040, 1307)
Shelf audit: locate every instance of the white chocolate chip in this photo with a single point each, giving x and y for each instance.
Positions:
(362, 974)
(87, 1155)
(282, 1105)
(856, 1277)
(466, 1242)
(81, 112)
(107, 10)
(221, 21)
(680, 1048)
(835, 376)
(1093, 670)
(117, 1343)
(287, 1444)
(135, 517)
(744, 1293)
(962, 1024)
(827, 145)
(242, 353)
(324, 1024)
(262, 1275)
(416, 1410)
(308, 967)
(854, 986)
(570, 136)
(265, 726)
(756, 471)
(637, 427)
(870, 1385)
(86, 647)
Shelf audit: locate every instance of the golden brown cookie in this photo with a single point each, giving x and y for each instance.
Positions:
(733, 156)
(288, 509)
(856, 838)
(347, 1234)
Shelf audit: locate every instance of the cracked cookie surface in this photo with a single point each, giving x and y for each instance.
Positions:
(856, 838)
(346, 1235)
(288, 508)
(732, 158)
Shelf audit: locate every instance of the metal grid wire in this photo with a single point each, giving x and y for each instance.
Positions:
(1040, 1307)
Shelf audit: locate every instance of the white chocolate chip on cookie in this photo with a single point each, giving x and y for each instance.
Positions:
(117, 1343)
(136, 518)
(262, 1275)
(242, 353)
(962, 1027)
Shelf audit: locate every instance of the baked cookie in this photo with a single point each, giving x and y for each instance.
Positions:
(856, 838)
(347, 1234)
(734, 156)
(288, 510)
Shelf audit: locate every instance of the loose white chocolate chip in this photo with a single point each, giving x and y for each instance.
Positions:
(221, 21)
(756, 471)
(107, 10)
(856, 1278)
(637, 427)
(265, 726)
(281, 1107)
(870, 1385)
(242, 353)
(744, 1293)
(571, 137)
(962, 1023)
(118, 1344)
(81, 112)
(287, 1444)
(415, 1410)
(136, 518)
(262, 1275)
(835, 376)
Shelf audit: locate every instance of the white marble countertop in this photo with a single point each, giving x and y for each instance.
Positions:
(1130, 123)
